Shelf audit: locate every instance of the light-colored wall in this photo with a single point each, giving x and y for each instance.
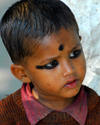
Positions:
(87, 13)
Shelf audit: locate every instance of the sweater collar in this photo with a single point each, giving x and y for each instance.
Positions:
(36, 111)
(92, 98)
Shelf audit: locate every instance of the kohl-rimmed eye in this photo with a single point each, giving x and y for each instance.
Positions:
(51, 65)
(75, 54)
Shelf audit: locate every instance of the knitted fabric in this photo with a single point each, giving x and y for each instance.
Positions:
(36, 111)
(12, 112)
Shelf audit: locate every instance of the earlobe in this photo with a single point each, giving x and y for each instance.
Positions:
(19, 72)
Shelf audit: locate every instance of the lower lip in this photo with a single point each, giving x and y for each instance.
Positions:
(72, 85)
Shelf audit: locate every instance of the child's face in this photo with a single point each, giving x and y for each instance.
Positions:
(58, 67)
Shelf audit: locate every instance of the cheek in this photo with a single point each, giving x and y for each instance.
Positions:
(48, 84)
(82, 68)
(41, 79)
(84, 63)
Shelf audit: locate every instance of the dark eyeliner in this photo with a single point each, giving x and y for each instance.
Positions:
(42, 67)
(39, 67)
(53, 65)
(77, 55)
(80, 51)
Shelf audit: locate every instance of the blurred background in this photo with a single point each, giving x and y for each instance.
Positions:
(8, 83)
(87, 14)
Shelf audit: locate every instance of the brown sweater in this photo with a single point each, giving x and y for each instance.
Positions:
(12, 112)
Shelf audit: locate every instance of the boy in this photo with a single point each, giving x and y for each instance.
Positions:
(42, 39)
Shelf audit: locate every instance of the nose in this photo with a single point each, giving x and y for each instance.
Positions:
(68, 68)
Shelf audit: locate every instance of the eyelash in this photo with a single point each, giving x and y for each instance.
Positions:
(55, 63)
(77, 53)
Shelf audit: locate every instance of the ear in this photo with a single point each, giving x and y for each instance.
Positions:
(80, 38)
(19, 72)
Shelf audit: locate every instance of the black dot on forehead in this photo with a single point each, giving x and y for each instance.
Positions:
(61, 47)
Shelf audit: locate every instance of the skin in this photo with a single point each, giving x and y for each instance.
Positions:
(49, 84)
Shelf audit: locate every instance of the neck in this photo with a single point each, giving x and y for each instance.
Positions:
(53, 102)
(59, 104)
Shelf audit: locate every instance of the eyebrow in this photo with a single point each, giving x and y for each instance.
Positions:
(77, 45)
(48, 59)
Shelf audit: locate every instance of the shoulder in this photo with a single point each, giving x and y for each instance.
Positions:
(11, 108)
(92, 97)
(93, 100)
(9, 100)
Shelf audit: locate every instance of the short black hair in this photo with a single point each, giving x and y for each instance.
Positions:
(28, 21)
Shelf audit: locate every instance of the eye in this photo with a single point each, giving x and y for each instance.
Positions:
(75, 54)
(51, 65)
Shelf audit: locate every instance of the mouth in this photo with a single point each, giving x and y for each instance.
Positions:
(71, 83)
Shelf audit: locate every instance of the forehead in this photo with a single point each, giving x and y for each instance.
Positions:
(60, 39)
(54, 44)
